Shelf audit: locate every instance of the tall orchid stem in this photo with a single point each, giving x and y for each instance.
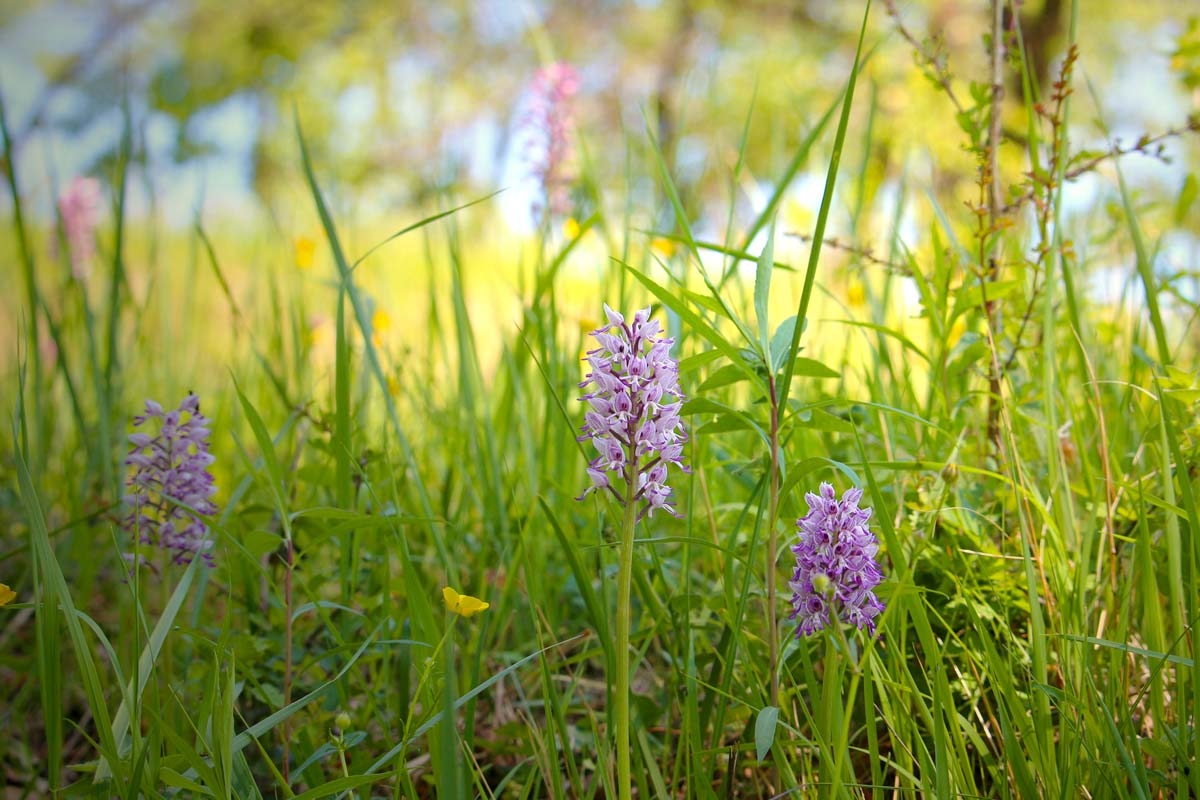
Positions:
(772, 546)
(624, 618)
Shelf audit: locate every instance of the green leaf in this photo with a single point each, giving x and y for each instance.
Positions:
(798, 159)
(465, 698)
(1187, 197)
(269, 723)
(762, 286)
(780, 341)
(154, 645)
(259, 543)
(312, 606)
(702, 405)
(172, 778)
(339, 785)
(357, 304)
(704, 301)
(1184, 395)
(1128, 648)
(726, 375)
(416, 225)
(971, 296)
(1180, 379)
(266, 446)
(693, 363)
(726, 423)
(696, 323)
(822, 421)
(797, 472)
(681, 219)
(55, 593)
(908, 343)
(582, 579)
(811, 368)
(764, 731)
(818, 238)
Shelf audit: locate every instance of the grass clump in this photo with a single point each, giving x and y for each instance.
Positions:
(400, 594)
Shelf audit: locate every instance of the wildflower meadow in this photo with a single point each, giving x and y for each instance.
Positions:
(659, 399)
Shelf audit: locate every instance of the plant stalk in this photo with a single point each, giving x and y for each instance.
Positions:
(624, 618)
(287, 660)
(773, 546)
(989, 262)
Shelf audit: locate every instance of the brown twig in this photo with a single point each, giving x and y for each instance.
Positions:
(1045, 205)
(860, 251)
(934, 67)
(989, 264)
(1147, 145)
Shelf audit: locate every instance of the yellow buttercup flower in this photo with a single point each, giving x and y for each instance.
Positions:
(663, 246)
(571, 228)
(856, 294)
(306, 248)
(393, 384)
(7, 595)
(463, 604)
(380, 322)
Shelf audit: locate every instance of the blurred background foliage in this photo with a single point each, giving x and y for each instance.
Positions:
(402, 98)
(411, 107)
(219, 267)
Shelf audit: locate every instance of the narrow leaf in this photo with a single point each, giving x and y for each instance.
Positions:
(762, 287)
(764, 731)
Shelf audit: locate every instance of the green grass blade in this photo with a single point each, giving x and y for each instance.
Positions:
(822, 216)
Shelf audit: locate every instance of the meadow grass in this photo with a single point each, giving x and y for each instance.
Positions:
(1028, 449)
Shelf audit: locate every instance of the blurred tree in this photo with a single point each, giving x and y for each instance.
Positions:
(401, 97)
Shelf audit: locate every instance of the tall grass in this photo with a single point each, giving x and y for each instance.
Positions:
(1027, 447)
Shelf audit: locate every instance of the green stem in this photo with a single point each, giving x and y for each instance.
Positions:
(340, 744)
(624, 615)
(287, 660)
(772, 546)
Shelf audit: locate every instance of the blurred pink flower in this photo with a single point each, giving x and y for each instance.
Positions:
(47, 347)
(79, 205)
(551, 119)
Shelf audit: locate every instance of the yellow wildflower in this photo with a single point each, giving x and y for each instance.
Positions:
(393, 385)
(856, 293)
(306, 248)
(571, 228)
(463, 604)
(6, 594)
(663, 246)
(380, 322)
